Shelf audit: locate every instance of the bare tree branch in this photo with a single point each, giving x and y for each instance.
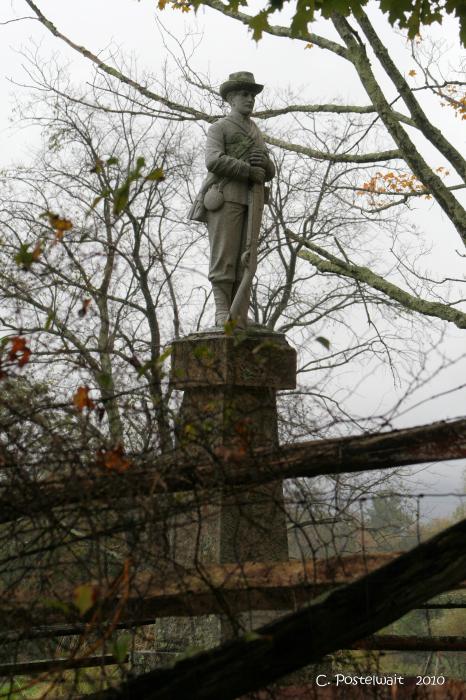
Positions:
(333, 265)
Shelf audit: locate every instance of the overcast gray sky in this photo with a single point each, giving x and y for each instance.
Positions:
(225, 47)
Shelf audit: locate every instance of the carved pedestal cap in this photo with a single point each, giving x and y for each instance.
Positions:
(262, 360)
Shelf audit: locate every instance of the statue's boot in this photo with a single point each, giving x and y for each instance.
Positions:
(222, 297)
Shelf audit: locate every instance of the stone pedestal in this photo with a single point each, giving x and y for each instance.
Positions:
(229, 409)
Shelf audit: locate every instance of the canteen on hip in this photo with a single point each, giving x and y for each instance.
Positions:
(213, 198)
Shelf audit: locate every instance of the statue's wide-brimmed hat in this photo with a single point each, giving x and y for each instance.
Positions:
(243, 80)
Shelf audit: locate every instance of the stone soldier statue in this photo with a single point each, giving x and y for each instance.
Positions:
(231, 198)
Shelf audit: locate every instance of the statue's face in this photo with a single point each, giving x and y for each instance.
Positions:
(242, 101)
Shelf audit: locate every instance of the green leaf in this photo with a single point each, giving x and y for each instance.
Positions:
(323, 341)
(413, 24)
(233, 4)
(121, 194)
(120, 647)
(303, 15)
(50, 319)
(84, 597)
(166, 353)
(24, 258)
(276, 5)
(229, 326)
(157, 175)
(121, 197)
(112, 161)
(140, 163)
(95, 202)
(259, 24)
(99, 198)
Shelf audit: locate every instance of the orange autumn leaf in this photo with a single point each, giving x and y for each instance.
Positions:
(59, 224)
(412, 73)
(82, 400)
(456, 99)
(114, 460)
(19, 351)
(390, 182)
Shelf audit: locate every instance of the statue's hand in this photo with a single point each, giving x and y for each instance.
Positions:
(258, 157)
(257, 175)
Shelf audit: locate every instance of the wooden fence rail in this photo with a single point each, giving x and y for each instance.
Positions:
(374, 643)
(336, 621)
(175, 472)
(30, 668)
(235, 588)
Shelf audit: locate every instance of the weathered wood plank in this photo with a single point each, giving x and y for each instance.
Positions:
(238, 588)
(376, 642)
(174, 472)
(393, 642)
(336, 621)
(30, 668)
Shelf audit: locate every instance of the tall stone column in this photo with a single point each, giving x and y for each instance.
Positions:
(229, 385)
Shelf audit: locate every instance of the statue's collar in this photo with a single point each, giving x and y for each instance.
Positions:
(245, 125)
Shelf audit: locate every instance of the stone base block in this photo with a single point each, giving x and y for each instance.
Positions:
(240, 359)
(228, 410)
